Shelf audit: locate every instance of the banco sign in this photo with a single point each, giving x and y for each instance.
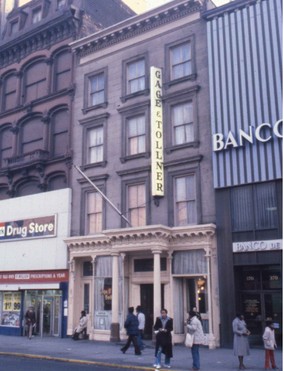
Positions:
(28, 228)
(262, 133)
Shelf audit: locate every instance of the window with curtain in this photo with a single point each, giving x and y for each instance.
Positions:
(136, 198)
(97, 89)
(60, 123)
(136, 76)
(182, 123)
(180, 59)
(95, 144)
(32, 136)
(35, 81)
(5, 145)
(94, 213)
(36, 15)
(254, 207)
(62, 70)
(136, 135)
(9, 92)
(185, 200)
(189, 262)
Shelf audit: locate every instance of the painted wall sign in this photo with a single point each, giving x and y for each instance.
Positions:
(157, 160)
(249, 246)
(49, 276)
(28, 228)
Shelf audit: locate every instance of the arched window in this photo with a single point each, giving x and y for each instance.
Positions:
(4, 193)
(9, 92)
(57, 182)
(32, 135)
(62, 70)
(5, 145)
(29, 188)
(35, 81)
(59, 140)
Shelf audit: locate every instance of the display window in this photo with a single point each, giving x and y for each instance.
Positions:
(10, 304)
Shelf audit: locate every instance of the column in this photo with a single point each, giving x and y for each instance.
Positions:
(157, 282)
(114, 328)
(71, 323)
(211, 337)
(91, 322)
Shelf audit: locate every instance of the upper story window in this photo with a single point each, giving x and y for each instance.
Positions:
(61, 3)
(14, 27)
(94, 213)
(59, 131)
(182, 123)
(95, 144)
(136, 135)
(136, 76)
(35, 81)
(32, 136)
(5, 145)
(62, 70)
(9, 92)
(36, 15)
(185, 200)
(180, 59)
(96, 89)
(136, 201)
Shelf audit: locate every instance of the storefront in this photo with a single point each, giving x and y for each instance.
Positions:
(153, 267)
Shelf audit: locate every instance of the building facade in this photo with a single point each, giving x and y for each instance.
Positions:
(245, 59)
(142, 137)
(36, 103)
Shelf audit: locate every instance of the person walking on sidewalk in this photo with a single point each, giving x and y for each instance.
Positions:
(30, 319)
(131, 325)
(269, 346)
(141, 326)
(163, 328)
(194, 327)
(241, 344)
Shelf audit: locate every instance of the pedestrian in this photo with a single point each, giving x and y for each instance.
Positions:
(163, 328)
(131, 325)
(141, 326)
(241, 344)
(30, 319)
(194, 327)
(269, 346)
(82, 326)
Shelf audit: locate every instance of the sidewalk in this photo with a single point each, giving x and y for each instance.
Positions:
(96, 352)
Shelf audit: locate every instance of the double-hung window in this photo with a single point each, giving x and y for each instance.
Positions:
(136, 135)
(94, 213)
(95, 144)
(181, 60)
(96, 89)
(136, 76)
(185, 200)
(182, 123)
(136, 198)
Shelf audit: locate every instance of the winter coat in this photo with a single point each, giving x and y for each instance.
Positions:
(195, 328)
(30, 317)
(131, 324)
(164, 338)
(82, 324)
(269, 338)
(241, 345)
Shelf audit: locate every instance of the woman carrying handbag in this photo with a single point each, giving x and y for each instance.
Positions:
(194, 328)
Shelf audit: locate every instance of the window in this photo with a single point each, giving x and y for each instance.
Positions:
(14, 27)
(94, 208)
(180, 59)
(63, 67)
(136, 78)
(32, 136)
(60, 123)
(96, 89)
(9, 92)
(36, 16)
(95, 143)
(35, 81)
(185, 200)
(254, 207)
(87, 269)
(182, 123)
(60, 3)
(147, 265)
(137, 204)
(136, 135)
(5, 145)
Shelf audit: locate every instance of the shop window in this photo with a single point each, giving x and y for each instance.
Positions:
(60, 123)
(94, 213)
(147, 265)
(272, 279)
(185, 200)
(10, 309)
(62, 70)
(250, 280)
(32, 136)
(5, 145)
(136, 135)
(136, 201)
(87, 269)
(135, 76)
(9, 92)
(189, 262)
(35, 81)
(182, 123)
(87, 297)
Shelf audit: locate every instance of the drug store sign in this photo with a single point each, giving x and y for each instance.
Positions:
(28, 228)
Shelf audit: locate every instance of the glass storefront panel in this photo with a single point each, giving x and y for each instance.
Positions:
(10, 309)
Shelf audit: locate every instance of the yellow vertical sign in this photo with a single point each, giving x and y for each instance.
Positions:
(157, 147)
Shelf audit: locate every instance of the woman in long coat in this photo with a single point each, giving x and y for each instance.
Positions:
(163, 328)
(241, 344)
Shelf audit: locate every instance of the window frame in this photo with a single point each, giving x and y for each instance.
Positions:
(24, 81)
(53, 134)
(36, 12)
(84, 207)
(87, 107)
(3, 90)
(55, 73)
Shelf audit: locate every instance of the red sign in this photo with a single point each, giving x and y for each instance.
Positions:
(54, 276)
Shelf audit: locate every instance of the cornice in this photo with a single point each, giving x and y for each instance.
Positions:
(135, 26)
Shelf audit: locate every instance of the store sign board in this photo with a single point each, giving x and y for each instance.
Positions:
(41, 227)
(52, 276)
(252, 246)
(157, 147)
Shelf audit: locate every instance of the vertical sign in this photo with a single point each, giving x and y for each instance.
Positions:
(157, 165)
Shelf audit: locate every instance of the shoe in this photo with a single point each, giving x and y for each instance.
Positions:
(156, 365)
(168, 366)
(123, 351)
(138, 354)
(275, 368)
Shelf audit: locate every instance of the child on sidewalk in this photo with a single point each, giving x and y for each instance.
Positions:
(269, 346)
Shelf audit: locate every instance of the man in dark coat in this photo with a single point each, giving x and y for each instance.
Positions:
(131, 325)
(30, 321)
(163, 328)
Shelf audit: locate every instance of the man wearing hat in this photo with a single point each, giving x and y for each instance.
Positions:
(131, 326)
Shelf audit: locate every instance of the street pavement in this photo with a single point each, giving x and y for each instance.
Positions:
(109, 354)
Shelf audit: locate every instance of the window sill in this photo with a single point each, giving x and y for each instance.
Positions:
(170, 83)
(92, 108)
(134, 157)
(134, 95)
(182, 146)
(95, 164)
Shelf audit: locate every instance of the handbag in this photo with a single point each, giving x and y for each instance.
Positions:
(188, 340)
